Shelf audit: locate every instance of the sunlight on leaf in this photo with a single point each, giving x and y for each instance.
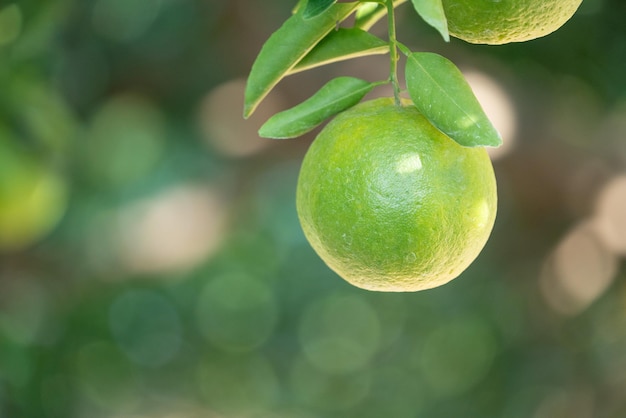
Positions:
(439, 90)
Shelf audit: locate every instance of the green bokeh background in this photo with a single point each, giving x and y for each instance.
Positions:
(152, 265)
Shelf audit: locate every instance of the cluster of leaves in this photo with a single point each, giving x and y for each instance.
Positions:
(435, 85)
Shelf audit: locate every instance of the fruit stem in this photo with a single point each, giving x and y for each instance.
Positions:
(393, 51)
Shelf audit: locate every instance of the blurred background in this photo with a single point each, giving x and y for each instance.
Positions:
(152, 265)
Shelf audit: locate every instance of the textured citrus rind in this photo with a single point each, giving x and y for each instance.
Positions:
(500, 22)
(392, 204)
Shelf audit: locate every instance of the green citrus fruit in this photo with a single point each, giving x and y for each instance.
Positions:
(502, 21)
(392, 204)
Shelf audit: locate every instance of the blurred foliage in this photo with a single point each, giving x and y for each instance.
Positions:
(152, 265)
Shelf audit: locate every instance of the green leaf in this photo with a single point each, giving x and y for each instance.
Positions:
(286, 47)
(316, 7)
(367, 10)
(335, 96)
(439, 90)
(298, 6)
(432, 12)
(371, 12)
(340, 45)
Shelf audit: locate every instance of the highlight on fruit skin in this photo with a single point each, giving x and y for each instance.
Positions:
(505, 21)
(392, 204)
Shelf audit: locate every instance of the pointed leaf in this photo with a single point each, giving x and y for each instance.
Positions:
(340, 45)
(335, 96)
(371, 12)
(285, 47)
(432, 12)
(439, 90)
(316, 7)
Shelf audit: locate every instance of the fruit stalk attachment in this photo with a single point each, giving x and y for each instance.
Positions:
(393, 51)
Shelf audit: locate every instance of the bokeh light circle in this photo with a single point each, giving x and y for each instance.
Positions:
(236, 312)
(146, 326)
(340, 333)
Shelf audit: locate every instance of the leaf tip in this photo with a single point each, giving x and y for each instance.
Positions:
(248, 107)
(443, 31)
(494, 140)
(270, 130)
(263, 132)
(248, 110)
(496, 143)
